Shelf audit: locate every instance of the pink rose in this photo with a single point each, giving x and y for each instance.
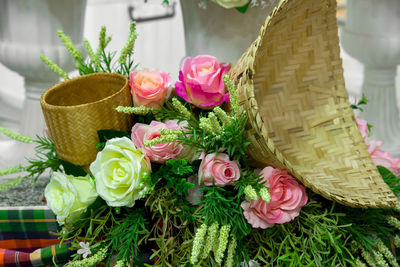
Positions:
(150, 88)
(157, 153)
(201, 81)
(383, 158)
(287, 198)
(363, 127)
(218, 168)
(379, 156)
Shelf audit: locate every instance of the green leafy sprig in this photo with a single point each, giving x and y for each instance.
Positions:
(202, 135)
(45, 158)
(125, 237)
(101, 61)
(361, 102)
(222, 205)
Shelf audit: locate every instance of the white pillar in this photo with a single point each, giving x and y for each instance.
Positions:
(372, 35)
(28, 28)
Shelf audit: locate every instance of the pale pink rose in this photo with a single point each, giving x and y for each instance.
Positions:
(383, 158)
(379, 156)
(363, 127)
(201, 81)
(218, 169)
(150, 88)
(157, 153)
(287, 199)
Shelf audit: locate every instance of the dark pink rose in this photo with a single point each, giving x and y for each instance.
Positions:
(157, 153)
(287, 199)
(218, 168)
(201, 81)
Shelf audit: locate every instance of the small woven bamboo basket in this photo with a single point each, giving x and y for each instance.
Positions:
(76, 109)
(291, 85)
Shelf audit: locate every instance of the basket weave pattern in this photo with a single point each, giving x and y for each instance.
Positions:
(76, 109)
(291, 85)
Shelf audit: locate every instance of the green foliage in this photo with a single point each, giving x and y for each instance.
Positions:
(390, 179)
(72, 169)
(222, 205)
(324, 234)
(103, 226)
(362, 101)
(171, 232)
(146, 119)
(367, 224)
(124, 237)
(169, 112)
(46, 158)
(101, 61)
(315, 238)
(369, 126)
(105, 135)
(94, 223)
(244, 8)
(173, 175)
(232, 139)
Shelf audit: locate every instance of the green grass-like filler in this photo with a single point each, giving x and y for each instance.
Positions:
(324, 234)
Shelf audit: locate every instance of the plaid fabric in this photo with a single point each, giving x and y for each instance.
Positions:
(27, 237)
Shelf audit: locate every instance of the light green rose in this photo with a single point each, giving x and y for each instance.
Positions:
(120, 170)
(231, 3)
(69, 197)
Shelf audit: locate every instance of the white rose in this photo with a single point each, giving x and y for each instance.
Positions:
(231, 3)
(120, 170)
(69, 197)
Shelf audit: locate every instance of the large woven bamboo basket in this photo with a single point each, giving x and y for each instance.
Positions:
(291, 85)
(76, 109)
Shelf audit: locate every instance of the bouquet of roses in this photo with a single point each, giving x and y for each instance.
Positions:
(179, 189)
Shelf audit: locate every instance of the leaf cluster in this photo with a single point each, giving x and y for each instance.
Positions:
(104, 226)
(315, 238)
(107, 64)
(361, 102)
(172, 233)
(46, 158)
(125, 237)
(173, 175)
(325, 233)
(100, 60)
(232, 140)
(222, 205)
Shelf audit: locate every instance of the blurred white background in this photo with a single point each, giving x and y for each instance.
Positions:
(160, 45)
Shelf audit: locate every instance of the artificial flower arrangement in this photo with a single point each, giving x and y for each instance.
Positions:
(178, 188)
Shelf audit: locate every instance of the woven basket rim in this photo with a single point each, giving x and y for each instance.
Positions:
(61, 85)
